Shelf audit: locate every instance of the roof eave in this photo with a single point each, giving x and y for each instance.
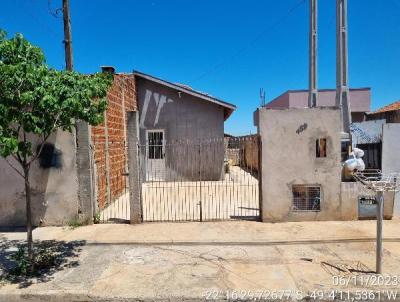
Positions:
(228, 107)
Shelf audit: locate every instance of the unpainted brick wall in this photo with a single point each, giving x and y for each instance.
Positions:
(121, 96)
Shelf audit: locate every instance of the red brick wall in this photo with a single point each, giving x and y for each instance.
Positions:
(121, 94)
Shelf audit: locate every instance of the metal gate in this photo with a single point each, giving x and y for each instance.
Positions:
(200, 180)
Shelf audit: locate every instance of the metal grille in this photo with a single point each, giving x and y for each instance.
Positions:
(306, 198)
(199, 180)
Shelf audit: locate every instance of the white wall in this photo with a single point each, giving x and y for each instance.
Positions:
(391, 157)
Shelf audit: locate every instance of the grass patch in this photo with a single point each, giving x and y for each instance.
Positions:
(77, 222)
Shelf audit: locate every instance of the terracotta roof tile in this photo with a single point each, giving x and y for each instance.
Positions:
(391, 107)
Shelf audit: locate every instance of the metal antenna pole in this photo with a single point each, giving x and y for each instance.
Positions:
(313, 38)
(67, 36)
(342, 79)
(379, 223)
(262, 97)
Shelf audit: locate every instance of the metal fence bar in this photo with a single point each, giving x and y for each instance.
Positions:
(200, 180)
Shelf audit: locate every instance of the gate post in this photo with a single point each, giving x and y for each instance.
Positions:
(259, 172)
(85, 172)
(133, 167)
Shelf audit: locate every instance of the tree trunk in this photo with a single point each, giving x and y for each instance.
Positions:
(28, 218)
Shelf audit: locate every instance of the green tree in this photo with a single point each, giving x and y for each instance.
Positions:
(35, 101)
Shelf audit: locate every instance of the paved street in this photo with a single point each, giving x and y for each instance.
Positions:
(190, 260)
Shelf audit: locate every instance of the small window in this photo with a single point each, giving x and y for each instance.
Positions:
(306, 198)
(155, 141)
(321, 147)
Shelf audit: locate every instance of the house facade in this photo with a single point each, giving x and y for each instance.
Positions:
(88, 169)
(181, 131)
(302, 156)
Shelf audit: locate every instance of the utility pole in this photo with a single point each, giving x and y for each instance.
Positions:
(313, 38)
(67, 36)
(342, 78)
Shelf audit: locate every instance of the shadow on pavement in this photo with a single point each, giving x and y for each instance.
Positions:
(51, 256)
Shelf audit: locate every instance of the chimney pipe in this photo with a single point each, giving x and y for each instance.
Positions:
(342, 78)
(109, 69)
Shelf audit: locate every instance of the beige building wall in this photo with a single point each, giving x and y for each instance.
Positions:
(54, 190)
(289, 158)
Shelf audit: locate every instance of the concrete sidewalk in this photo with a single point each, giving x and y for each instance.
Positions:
(193, 261)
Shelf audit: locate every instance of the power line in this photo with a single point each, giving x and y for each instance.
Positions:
(57, 13)
(252, 42)
(42, 24)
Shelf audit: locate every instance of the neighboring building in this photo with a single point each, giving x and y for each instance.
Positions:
(301, 165)
(301, 162)
(389, 113)
(360, 101)
(174, 118)
(379, 137)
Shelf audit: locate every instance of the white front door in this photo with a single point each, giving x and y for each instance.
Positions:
(155, 155)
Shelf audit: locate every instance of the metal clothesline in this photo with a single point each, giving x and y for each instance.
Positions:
(378, 182)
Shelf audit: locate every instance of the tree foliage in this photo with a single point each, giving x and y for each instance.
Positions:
(35, 101)
(38, 100)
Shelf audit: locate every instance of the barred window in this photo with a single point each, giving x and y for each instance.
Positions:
(306, 198)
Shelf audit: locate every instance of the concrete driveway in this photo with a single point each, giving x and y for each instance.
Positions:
(235, 197)
(193, 261)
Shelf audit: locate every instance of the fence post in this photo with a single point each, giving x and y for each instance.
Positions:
(379, 222)
(133, 167)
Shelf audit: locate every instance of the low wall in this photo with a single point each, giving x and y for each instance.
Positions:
(349, 192)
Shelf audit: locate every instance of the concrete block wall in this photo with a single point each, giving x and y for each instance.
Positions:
(55, 199)
(350, 192)
(112, 132)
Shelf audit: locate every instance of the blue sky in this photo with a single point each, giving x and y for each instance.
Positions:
(229, 49)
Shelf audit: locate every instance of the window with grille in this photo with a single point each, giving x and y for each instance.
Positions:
(321, 147)
(155, 140)
(306, 198)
